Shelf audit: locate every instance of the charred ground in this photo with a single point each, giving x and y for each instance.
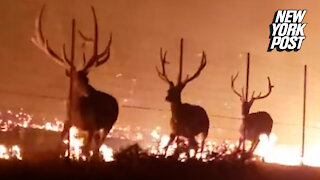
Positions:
(144, 167)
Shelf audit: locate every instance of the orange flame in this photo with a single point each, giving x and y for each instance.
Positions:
(268, 149)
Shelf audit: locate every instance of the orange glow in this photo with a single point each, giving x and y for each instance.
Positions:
(155, 143)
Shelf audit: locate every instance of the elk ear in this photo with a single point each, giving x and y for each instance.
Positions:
(171, 84)
(67, 73)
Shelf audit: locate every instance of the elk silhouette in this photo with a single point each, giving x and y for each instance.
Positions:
(88, 109)
(253, 124)
(186, 120)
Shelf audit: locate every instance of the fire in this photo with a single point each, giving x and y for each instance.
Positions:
(77, 141)
(107, 153)
(10, 153)
(285, 154)
(4, 152)
(155, 134)
(154, 142)
(76, 144)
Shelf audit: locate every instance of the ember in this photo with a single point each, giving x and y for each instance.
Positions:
(154, 142)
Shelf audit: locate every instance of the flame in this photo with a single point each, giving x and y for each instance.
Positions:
(4, 152)
(285, 154)
(155, 134)
(15, 151)
(107, 153)
(76, 144)
(10, 153)
(77, 140)
(156, 143)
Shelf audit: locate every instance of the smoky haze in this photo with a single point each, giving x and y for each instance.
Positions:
(226, 30)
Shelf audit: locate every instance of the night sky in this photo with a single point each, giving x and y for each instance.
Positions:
(226, 30)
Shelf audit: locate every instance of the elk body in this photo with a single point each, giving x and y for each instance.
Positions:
(187, 120)
(253, 124)
(88, 108)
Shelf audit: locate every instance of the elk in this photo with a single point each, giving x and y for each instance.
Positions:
(187, 120)
(88, 109)
(253, 124)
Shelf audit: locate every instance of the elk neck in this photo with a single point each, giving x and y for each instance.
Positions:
(244, 116)
(246, 109)
(76, 95)
(175, 106)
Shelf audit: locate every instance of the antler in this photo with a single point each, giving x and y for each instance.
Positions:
(42, 43)
(233, 79)
(264, 96)
(163, 75)
(197, 73)
(96, 59)
(202, 65)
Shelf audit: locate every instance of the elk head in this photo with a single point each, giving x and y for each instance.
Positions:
(79, 82)
(174, 91)
(246, 105)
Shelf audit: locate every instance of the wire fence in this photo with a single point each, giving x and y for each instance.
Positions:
(215, 116)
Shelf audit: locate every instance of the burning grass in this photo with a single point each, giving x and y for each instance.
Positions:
(20, 137)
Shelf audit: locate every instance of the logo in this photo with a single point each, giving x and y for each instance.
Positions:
(287, 30)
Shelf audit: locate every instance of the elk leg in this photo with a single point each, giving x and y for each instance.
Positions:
(66, 128)
(86, 147)
(240, 144)
(203, 143)
(98, 143)
(179, 140)
(172, 137)
(99, 139)
(192, 145)
(104, 135)
(202, 147)
(254, 145)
